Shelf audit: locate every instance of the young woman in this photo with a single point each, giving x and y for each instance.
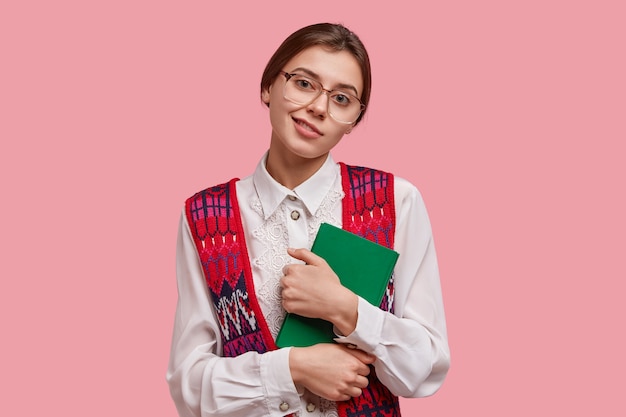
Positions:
(243, 261)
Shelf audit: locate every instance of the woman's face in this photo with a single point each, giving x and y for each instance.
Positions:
(309, 132)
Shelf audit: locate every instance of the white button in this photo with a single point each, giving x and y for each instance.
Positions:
(295, 215)
(310, 407)
(292, 197)
(283, 406)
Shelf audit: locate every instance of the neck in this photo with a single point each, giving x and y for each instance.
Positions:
(294, 171)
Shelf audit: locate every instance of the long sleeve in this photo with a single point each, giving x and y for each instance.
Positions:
(202, 383)
(411, 345)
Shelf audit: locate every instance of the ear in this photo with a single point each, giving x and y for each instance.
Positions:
(265, 96)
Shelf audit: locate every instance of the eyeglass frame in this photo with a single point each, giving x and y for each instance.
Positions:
(323, 90)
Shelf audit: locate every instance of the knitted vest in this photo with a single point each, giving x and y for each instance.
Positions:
(215, 221)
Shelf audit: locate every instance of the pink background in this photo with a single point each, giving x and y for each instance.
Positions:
(509, 116)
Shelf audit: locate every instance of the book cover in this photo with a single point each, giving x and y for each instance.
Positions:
(362, 266)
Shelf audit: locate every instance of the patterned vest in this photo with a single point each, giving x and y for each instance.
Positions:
(215, 222)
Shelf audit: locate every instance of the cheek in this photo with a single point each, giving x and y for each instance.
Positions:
(275, 95)
(281, 107)
(344, 131)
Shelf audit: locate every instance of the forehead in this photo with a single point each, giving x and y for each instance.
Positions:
(331, 67)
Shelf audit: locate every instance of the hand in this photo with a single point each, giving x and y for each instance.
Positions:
(329, 370)
(314, 290)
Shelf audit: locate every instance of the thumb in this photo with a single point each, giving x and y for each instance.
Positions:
(306, 256)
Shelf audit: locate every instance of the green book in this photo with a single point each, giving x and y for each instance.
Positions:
(362, 266)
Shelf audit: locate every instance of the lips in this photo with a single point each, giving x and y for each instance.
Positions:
(307, 126)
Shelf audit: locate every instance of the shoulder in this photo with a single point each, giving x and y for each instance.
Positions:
(360, 170)
(411, 211)
(364, 177)
(404, 190)
(214, 190)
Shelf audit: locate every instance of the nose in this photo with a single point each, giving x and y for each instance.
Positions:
(319, 106)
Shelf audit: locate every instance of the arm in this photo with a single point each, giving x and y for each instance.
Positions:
(202, 383)
(415, 364)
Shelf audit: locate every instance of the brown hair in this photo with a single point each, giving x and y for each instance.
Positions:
(333, 36)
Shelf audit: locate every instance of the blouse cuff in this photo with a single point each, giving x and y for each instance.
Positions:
(280, 391)
(367, 334)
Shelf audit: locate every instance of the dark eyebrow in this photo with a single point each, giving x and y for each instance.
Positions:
(317, 78)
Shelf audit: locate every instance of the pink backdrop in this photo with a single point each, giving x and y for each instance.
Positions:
(509, 116)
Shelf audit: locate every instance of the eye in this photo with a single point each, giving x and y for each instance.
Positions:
(304, 83)
(342, 99)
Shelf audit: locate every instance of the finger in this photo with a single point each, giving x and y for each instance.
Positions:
(361, 382)
(355, 392)
(364, 357)
(306, 256)
(363, 370)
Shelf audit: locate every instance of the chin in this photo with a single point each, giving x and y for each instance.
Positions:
(310, 155)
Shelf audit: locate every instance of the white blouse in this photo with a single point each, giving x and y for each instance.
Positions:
(410, 345)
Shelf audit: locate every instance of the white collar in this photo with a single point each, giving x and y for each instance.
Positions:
(311, 192)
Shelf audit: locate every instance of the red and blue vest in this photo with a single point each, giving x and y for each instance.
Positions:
(215, 222)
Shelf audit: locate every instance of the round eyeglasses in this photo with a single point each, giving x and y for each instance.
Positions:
(342, 106)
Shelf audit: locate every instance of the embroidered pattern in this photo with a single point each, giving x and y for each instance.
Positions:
(324, 213)
(274, 236)
(368, 202)
(375, 401)
(214, 220)
(369, 211)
